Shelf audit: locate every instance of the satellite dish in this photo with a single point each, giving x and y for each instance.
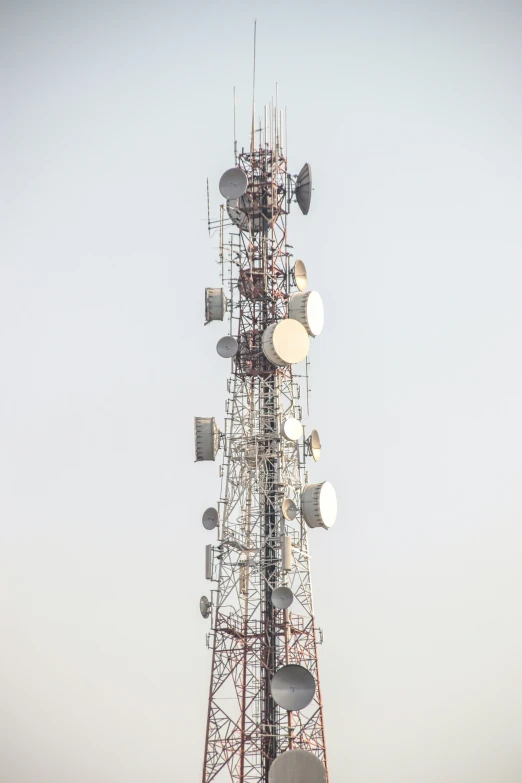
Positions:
(307, 308)
(204, 606)
(227, 347)
(234, 183)
(292, 429)
(319, 505)
(206, 438)
(282, 597)
(315, 445)
(289, 509)
(303, 188)
(300, 276)
(293, 687)
(297, 766)
(210, 518)
(286, 342)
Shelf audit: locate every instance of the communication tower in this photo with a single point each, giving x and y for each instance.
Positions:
(265, 714)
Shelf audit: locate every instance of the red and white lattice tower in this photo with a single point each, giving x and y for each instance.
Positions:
(265, 715)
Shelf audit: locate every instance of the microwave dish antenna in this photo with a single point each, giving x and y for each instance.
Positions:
(282, 597)
(292, 429)
(289, 509)
(286, 342)
(215, 305)
(307, 308)
(293, 687)
(206, 438)
(314, 445)
(297, 766)
(239, 210)
(300, 276)
(204, 606)
(227, 347)
(319, 505)
(233, 183)
(303, 188)
(210, 518)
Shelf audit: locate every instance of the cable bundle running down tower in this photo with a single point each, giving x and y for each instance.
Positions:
(265, 715)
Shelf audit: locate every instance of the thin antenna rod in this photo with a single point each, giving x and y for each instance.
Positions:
(286, 135)
(235, 138)
(208, 207)
(254, 89)
(277, 122)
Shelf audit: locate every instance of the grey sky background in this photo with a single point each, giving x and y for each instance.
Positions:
(113, 116)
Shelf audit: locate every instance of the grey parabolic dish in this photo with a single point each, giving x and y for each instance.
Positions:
(210, 519)
(233, 183)
(204, 606)
(303, 188)
(227, 347)
(282, 597)
(293, 687)
(297, 766)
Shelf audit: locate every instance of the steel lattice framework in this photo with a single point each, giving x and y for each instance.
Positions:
(251, 639)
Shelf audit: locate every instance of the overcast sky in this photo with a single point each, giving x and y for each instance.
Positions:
(113, 115)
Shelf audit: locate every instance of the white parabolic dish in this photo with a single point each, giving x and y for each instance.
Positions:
(289, 509)
(292, 429)
(286, 342)
(300, 276)
(297, 766)
(315, 445)
(319, 505)
(307, 308)
(293, 687)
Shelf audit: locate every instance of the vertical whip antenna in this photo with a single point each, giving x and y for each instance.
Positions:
(252, 145)
(286, 134)
(208, 207)
(235, 137)
(277, 129)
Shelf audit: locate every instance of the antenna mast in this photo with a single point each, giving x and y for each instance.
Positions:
(265, 715)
